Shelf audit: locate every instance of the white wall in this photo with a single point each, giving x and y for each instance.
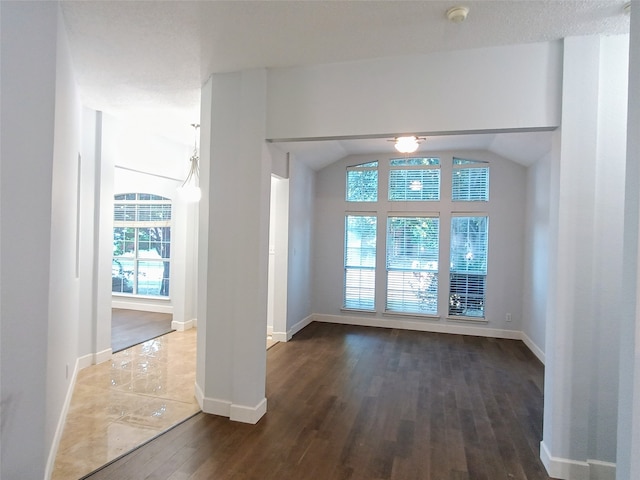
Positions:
(28, 56)
(534, 301)
(584, 293)
(628, 452)
(506, 210)
(301, 244)
(489, 88)
(65, 276)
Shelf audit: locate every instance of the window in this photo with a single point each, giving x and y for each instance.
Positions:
(468, 271)
(414, 179)
(141, 244)
(470, 181)
(412, 264)
(360, 262)
(362, 182)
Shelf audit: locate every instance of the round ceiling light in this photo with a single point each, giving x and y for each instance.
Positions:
(457, 14)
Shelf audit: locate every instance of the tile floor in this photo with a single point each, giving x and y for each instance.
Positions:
(120, 404)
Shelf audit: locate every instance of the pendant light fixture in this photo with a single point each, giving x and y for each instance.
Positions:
(190, 189)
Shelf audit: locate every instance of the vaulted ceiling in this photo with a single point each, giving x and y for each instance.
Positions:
(146, 60)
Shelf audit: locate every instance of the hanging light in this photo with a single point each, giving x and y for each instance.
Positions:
(190, 189)
(407, 144)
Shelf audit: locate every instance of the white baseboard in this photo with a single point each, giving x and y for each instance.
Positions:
(299, 326)
(280, 336)
(135, 304)
(102, 356)
(535, 349)
(566, 469)
(213, 406)
(244, 414)
(182, 326)
(94, 359)
(423, 326)
(224, 408)
(269, 330)
(53, 452)
(601, 470)
(286, 336)
(563, 468)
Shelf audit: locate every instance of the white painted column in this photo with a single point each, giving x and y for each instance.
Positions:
(28, 49)
(233, 247)
(580, 406)
(628, 459)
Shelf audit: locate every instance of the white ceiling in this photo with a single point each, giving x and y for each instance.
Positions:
(146, 60)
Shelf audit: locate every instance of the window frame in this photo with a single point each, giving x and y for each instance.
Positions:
(122, 223)
(370, 270)
(362, 169)
(463, 166)
(455, 301)
(423, 278)
(408, 167)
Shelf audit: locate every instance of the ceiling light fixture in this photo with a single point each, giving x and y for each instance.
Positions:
(407, 144)
(190, 189)
(457, 14)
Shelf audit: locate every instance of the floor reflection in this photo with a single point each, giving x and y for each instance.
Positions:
(122, 403)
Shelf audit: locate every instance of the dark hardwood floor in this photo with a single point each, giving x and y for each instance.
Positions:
(348, 402)
(131, 327)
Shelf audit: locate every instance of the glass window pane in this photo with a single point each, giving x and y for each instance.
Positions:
(468, 257)
(362, 185)
(360, 262)
(412, 264)
(153, 278)
(470, 181)
(122, 273)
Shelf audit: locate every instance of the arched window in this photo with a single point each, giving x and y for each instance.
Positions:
(141, 244)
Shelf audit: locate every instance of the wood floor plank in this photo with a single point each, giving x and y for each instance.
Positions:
(350, 403)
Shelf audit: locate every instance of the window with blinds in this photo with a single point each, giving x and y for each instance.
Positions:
(362, 183)
(470, 181)
(414, 179)
(468, 265)
(141, 244)
(412, 264)
(360, 262)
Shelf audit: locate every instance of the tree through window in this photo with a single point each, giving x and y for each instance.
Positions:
(141, 244)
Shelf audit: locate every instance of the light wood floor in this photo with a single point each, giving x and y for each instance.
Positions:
(349, 402)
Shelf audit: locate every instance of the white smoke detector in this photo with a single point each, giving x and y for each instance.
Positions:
(457, 14)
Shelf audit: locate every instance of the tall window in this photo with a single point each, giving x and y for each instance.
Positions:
(468, 271)
(412, 264)
(414, 179)
(141, 244)
(470, 181)
(362, 182)
(360, 262)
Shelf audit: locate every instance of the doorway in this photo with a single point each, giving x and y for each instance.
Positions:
(278, 259)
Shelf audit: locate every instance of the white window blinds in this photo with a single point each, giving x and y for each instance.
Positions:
(412, 264)
(470, 181)
(414, 179)
(360, 262)
(468, 267)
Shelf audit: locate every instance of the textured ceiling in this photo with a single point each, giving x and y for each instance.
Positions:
(146, 60)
